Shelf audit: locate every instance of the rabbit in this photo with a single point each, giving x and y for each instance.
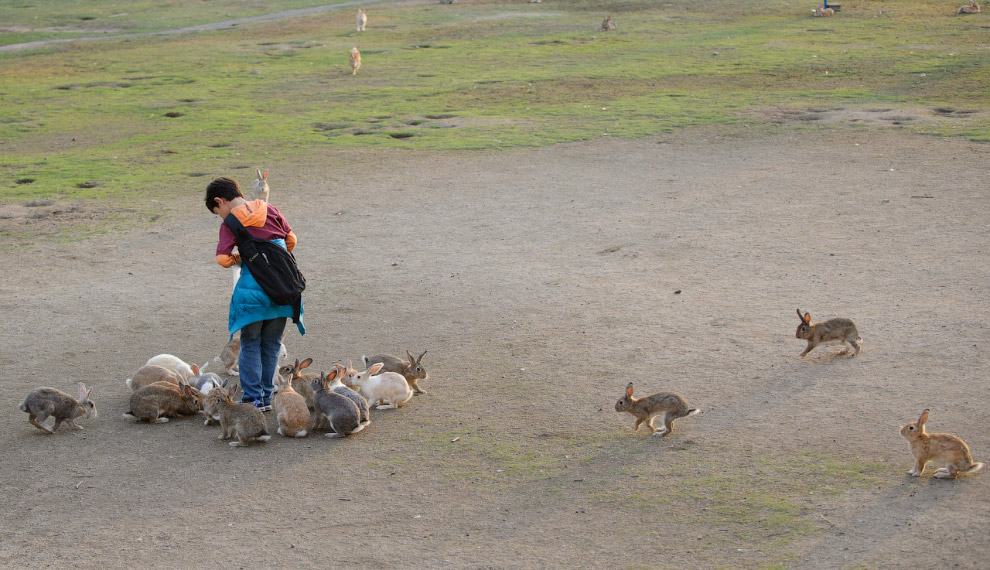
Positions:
(290, 409)
(359, 400)
(608, 24)
(355, 60)
(43, 402)
(973, 8)
(942, 448)
(668, 405)
(832, 331)
(361, 20)
(157, 402)
(243, 420)
(229, 355)
(207, 382)
(338, 413)
(172, 363)
(301, 382)
(260, 186)
(412, 370)
(151, 373)
(823, 11)
(385, 391)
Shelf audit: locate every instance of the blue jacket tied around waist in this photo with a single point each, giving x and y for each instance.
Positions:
(250, 304)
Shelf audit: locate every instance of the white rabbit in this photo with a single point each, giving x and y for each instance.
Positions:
(172, 363)
(386, 390)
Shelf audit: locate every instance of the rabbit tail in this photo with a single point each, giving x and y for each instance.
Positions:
(692, 412)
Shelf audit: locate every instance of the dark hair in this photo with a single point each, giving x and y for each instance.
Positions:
(222, 187)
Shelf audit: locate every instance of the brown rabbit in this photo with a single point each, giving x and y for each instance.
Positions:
(151, 373)
(301, 382)
(355, 60)
(973, 8)
(243, 420)
(668, 405)
(290, 409)
(608, 24)
(832, 331)
(157, 402)
(43, 402)
(412, 370)
(942, 448)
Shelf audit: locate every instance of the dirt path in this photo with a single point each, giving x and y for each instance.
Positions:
(541, 282)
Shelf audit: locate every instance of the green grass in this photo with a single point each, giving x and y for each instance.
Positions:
(142, 116)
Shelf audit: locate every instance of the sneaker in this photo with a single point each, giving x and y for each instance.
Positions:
(257, 403)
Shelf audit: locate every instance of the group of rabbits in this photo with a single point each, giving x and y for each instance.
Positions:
(947, 451)
(167, 387)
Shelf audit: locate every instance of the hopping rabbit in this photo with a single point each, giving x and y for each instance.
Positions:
(943, 449)
(361, 20)
(832, 331)
(668, 405)
(43, 402)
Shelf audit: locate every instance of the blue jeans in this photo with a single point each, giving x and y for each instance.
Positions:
(258, 362)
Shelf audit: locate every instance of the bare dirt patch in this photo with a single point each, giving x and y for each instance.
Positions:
(541, 282)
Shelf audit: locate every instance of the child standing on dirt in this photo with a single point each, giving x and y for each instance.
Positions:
(252, 312)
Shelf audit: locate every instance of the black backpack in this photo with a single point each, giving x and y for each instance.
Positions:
(271, 265)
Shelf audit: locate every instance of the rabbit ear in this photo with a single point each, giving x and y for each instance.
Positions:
(629, 390)
(195, 370)
(82, 391)
(305, 363)
(259, 174)
(807, 318)
(923, 418)
(265, 176)
(412, 359)
(374, 369)
(800, 316)
(420, 359)
(333, 374)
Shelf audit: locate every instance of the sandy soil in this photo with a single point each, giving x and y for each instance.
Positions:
(541, 282)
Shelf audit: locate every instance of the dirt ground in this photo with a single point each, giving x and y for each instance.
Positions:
(541, 282)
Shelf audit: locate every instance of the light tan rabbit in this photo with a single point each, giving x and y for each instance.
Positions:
(608, 24)
(385, 390)
(244, 421)
(361, 20)
(668, 405)
(260, 186)
(832, 331)
(301, 381)
(973, 8)
(290, 409)
(941, 448)
(355, 60)
(157, 402)
(151, 373)
(412, 370)
(43, 402)
(822, 11)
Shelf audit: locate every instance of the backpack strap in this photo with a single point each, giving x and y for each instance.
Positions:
(240, 232)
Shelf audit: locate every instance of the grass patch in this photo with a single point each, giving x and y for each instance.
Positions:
(480, 75)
